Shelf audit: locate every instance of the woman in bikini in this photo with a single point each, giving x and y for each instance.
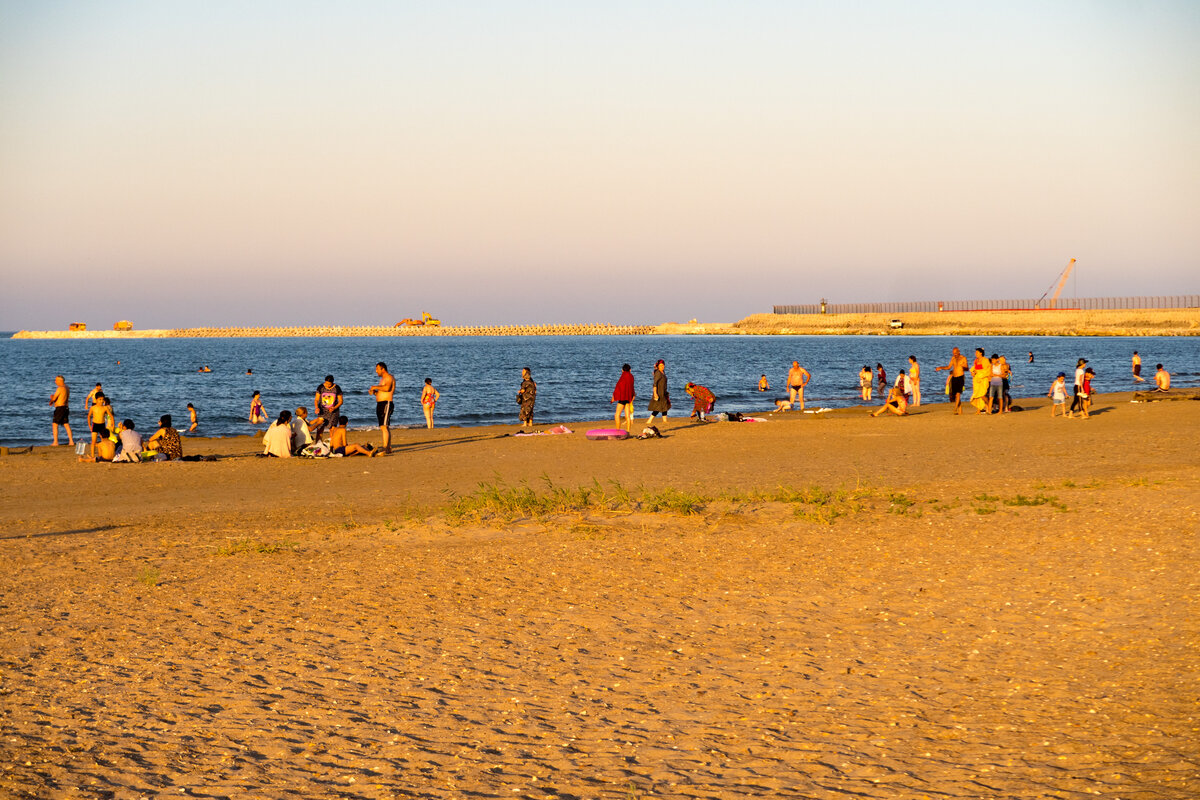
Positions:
(429, 398)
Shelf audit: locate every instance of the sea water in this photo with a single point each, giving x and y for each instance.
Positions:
(478, 377)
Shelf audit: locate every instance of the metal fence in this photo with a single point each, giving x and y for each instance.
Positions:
(1077, 303)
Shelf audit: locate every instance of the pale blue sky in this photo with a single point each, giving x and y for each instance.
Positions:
(179, 163)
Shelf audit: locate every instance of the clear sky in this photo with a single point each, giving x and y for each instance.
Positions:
(189, 163)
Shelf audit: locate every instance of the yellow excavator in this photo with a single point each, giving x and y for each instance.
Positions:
(1062, 281)
(426, 319)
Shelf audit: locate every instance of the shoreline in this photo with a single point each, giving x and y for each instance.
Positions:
(1065, 322)
(369, 433)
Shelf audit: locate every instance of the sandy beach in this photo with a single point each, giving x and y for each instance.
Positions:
(815, 606)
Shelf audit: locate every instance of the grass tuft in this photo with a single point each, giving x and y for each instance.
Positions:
(256, 547)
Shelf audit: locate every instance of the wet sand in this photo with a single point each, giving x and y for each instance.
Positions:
(989, 607)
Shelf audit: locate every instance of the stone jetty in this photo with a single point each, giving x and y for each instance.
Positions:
(592, 329)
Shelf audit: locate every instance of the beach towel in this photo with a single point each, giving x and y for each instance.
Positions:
(551, 432)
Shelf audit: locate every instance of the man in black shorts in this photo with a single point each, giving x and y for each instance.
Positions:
(327, 401)
(958, 368)
(383, 392)
(61, 400)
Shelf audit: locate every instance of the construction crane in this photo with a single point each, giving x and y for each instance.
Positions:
(1062, 281)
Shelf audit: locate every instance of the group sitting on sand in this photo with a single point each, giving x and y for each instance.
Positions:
(125, 444)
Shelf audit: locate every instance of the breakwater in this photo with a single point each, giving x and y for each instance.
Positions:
(593, 329)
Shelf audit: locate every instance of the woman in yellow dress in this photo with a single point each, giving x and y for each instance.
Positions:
(981, 376)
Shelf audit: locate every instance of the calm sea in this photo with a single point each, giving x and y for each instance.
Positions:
(478, 377)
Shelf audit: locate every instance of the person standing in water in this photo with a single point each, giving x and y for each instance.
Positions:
(797, 378)
(382, 393)
(526, 398)
(194, 420)
(957, 368)
(258, 414)
(61, 401)
(763, 384)
(864, 382)
(429, 399)
(660, 397)
(623, 397)
(1137, 368)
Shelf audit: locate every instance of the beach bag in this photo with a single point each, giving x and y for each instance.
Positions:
(315, 450)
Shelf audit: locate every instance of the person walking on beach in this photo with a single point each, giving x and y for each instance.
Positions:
(1058, 396)
(1137, 368)
(258, 414)
(1077, 386)
(623, 396)
(194, 420)
(914, 380)
(797, 378)
(382, 392)
(526, 397)
(327, 401)
(864, 383)
(1085, 394)
(660, 398)
(981, 379)
(957, 368)
(429, 399)
(61, 401)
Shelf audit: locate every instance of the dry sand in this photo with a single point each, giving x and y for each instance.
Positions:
(995, 607)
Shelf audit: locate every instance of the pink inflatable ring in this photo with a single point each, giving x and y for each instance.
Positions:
(597, 434)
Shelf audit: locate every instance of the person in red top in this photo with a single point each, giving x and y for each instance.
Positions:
(1085, 393)
(623, 396)
(704, 400)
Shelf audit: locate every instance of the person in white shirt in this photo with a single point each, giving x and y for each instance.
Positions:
(131, 442)
(301, 436)
(277, 441)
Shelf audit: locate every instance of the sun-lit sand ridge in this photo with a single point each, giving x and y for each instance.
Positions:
(1137, 322)
(935, 606)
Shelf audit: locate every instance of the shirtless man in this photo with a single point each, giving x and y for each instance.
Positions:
(61, 400)
(1162, 382)
(1137, 368)
(797, 379)
(957, 367)
(383, 392)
